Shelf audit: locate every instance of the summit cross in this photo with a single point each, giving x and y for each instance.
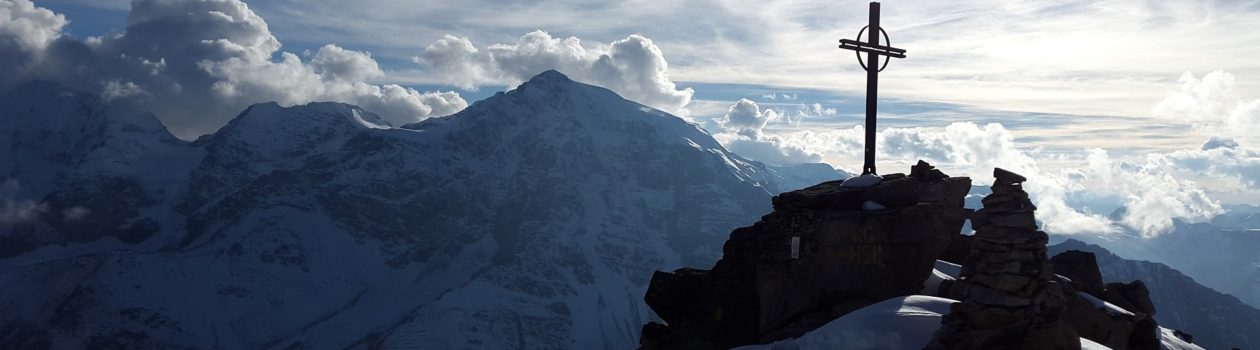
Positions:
(873, 50)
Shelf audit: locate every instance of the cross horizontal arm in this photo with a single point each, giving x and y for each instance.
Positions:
(875, 46)
(869, 48)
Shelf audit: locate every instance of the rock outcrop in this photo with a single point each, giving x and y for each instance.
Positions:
(1106, 314)
(1009, 296)
(1082, 268)
(1132, 296)
(826, 250)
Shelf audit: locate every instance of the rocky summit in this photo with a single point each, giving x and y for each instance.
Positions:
(825, 251)
(852, 247)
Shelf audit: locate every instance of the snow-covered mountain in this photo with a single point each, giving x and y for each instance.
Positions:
(1217, 320)
(76, 169)
(533, 217)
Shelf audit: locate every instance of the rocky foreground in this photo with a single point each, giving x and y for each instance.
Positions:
(825, 251)
(837, 247)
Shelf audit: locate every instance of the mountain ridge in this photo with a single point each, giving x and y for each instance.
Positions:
(523, 219)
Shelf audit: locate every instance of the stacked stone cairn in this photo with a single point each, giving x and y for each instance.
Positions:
(1010, 298)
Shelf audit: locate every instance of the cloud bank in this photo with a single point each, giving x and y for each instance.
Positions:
(1077, 192)
(1154, 190)
(196, 64)
(633, 67)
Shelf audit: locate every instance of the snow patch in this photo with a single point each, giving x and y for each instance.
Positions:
(1170, 341)
(863, 181)
(872, 206)
(368, 120)
(1110, 308)
(898, 323)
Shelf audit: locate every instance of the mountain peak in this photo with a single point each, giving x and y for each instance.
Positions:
(550, 75)
(551, 81)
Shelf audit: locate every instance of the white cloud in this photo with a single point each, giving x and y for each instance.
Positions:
(1220, 158)
(115, 89)
(1020, 55)
(196, 64)
(335, 63)
(746, 117)
(742, 132)
(816, 109)
(25, 32)
(1219, 142)
(29, 27)
(1214, 103)
(768, 149)
(634, 66)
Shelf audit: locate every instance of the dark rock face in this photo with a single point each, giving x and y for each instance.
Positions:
(959, 249)
(1082, 268)
(818, 256)
(1009, 298)
(1132, 296)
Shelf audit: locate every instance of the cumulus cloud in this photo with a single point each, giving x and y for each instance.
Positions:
(742, 132)
(746, 117)
(25, 32)
(1221, 158)
(1069, 200)
(335, 63)
(196, 64)
(1213, 103)
(1219, 142)
(634, 67)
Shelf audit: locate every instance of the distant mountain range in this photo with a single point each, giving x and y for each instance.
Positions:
(534, 217)
(1223, 254)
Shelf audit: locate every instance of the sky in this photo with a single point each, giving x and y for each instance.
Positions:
(1150, 105)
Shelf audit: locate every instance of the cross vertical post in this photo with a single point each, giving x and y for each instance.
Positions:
(872, 88)
(873, 49)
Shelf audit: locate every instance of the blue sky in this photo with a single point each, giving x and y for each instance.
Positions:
(1101, 103)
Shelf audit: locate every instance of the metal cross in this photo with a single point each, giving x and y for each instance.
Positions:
(873, 50)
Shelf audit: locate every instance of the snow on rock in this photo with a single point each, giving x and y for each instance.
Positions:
(1109, 308)
(948, 268)
(872, 206)
(897, 323)
(1169, 341)
(863, 181)
(1087, 344)
(943, 271)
